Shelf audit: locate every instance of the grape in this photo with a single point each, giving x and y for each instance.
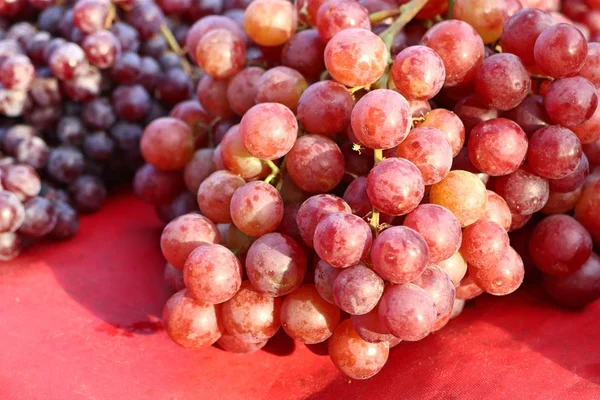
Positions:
(355, 357)
(370, 328)
(33, 151)
(66, 60)
(12, 213)
(497, 146)
(560, 50)
(577, 289)
(215, 193)
(276, 264)
(268, 130)
(571, 101)
(430, 152)
(304, 53)
(198, 169)
(586, 210)
(395, 186)
(315, 163)
(590, 69)
(127, 36)
(407, 311)
(438, 227)
(357, 290)
(356, 57)
(519, 221)
(67, 221)
(85, 86)
(418, 73)
(342, 239)
(237, 160)
(10, 246)
(503, 278)
(486, 16)
(127, 69)
(131, 103)
(440, 288)
(182, 235)
(530, 115)
(221, 53)
(198, 120)
(270, 22)
(455, 266)
(589, 131)
(460, 48)
(560, 245)
(207, 24)
(89, 15)
(306, 317)
(325, 276)
(554, 152)
(399, 254)
(146, 18)
(15, 135)
(251, 316)
(449, 124)
(497, 210)
(357, 198)
(217, 160)
(281, 85)
(234, 345)
(381, 119)
(22, 180)
(572, 181)
(40, 217)
(314, 210)
(190, 323)
(308, 9)
(561, 203)
(241, 90)
(592, 152)
(524, 192)
(17, 72)
(468, 289)
(336, 15)
(325, 108)
(502, 82)
(472, 112)
(288, 224)
(167, 144)
(173, 87)
(212, 95)
(212, 274)
(184, 203)
(463, 194)
(484, 244)
(87, 193)
(256, 208)
(98, 114)
(157, 187)
(522, 30)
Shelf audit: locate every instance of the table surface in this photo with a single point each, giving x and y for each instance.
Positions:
(81, 320)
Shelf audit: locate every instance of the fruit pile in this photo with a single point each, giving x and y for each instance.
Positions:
(78, 84)
(341, 199)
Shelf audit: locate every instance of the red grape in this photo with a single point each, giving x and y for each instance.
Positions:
(407, 311)
(370, 328)
(524, 192)
(502, 82)
(241, 90)
(337, 15)
(212, 95)
(221, 53)
(571, 101)
(237, 160)
(503, 278)
(418, 73)
(167, 143)
(314, 210)
(577, 289)
(449, 124)
(234, 345)
(586, 210)
(530, 115)
(256, 208)
(324, 108)
(357, 290)
(304, 52)
(486, 16)
(440, 287)
(497, 210)
(325, 276)
(281, 85)
(522, 30)
(554, 152)
(560, 50)
(591, 66)
(484, 244)
(198, 169)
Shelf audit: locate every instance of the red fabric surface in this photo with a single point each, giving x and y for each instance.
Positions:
(79, 321)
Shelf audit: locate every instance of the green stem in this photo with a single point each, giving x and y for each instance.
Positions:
(408, 12)
(174, 45)
(379, 16)
(274, 171)
(450, 9)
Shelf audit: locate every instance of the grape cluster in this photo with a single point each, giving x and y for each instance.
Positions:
(357, 171)
(79, 81)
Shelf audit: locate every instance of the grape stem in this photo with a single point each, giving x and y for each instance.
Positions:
(174, 45)
(450, 9)
(407, 13)
(379, 16)
(274, 171)
(110, 17)
(374, 222)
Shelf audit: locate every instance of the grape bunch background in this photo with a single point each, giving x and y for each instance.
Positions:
(347, 171)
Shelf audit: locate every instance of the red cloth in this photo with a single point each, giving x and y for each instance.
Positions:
(78, 320)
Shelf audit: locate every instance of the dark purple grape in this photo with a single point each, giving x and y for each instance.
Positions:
(43, 118)
(70, 130)
(154, 47)
(150, 73)
(157, 187)
(174, 86)
(36, 47)
(67, 221)
(146, 18)
(40, 217)
(66, 60)
(98, 114)
(98, 146)
(49, 19)
(131, 103)
(53, 194)
(33, 151)
(127, 36)
(85, 86)
(21, 32)
(87, 193)
(127, 69)
(65, 164)
(15, 135)
(44, 91)
(127, 135)
(169, 60)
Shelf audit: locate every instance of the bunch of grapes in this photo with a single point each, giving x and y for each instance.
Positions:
(78, 83)
(357, 171)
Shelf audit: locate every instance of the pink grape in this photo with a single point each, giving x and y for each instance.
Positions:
(215, 193)
(324, 108)
(418, 73)
(357, 198)
(440, 287)
(503, 278)
(238, 160)
(497, 210)
(395, 186)
(439, 228)
(276, 264)
(342, 239)
(307, 317)
(449, 124)
(314, 210)
(407, 311)
(304, 52)
(571, 101)
(486, 16)
(522, 30)
(268, 130)
(370, 328)
(554, 152)
(241, 90)
(589, 131)
(530, 115)
(357, 289)
(455, 266)
(212, 274)
(325, 275)
(468, 289)
(502, 82)
(572, 181)
(281, 85)
(381, 119)
(591, 66)
(256, 208)
(337, 15)
(315, 163)
(484, 244)
(221, 53)
(399, 254)
(524, 192)
(560, 50)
